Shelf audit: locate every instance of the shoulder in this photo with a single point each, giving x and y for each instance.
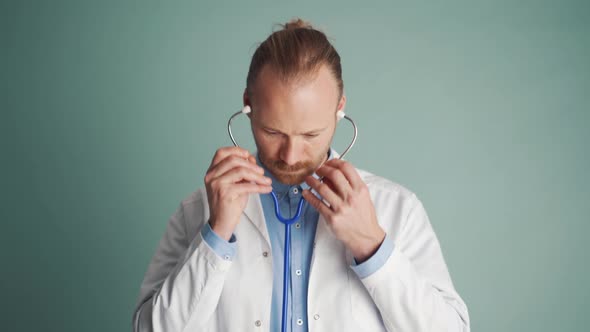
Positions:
(197, 200)
(393, 202)
(387, 193)
(193, 210)
(382, 185)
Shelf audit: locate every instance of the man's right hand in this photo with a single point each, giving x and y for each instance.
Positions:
(232, 176)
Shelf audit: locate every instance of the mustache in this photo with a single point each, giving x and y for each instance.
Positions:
(282, 166)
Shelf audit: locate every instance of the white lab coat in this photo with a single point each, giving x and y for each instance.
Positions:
(187, 287)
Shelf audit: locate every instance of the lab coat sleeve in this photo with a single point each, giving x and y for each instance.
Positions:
(184, 279)
(413, 289)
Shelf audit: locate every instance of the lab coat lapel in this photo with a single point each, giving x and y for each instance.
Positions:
(255, 215)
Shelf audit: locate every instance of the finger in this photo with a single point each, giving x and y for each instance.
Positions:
(229, 163)
(352, 176)
(318, 204)
(252, 159)
(238, 174)
(250, 188)
(337, 179)
(222, 153)
(325, 191)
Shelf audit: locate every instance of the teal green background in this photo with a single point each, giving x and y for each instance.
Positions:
(112, 110)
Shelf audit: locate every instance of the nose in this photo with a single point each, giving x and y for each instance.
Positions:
(290, 151)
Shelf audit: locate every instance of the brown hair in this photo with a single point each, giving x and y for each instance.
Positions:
(295, 52)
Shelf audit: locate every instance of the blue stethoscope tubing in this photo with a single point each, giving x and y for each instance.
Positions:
(289, 221)
(287, 252)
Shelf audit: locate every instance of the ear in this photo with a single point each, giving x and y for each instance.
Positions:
(246, 100)
(341, 103)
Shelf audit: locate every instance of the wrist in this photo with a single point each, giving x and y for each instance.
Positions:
(222, 232)
(368, 247)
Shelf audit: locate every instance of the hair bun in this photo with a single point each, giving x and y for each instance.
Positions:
(297, 23)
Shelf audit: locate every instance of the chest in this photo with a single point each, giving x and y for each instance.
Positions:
(337, 300)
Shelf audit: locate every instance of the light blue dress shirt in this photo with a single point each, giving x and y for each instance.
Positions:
(302, 240)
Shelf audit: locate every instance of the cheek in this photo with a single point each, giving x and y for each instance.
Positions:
(266, 143)
(322, 143)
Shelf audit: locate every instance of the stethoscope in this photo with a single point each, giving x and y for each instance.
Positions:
(289, 221)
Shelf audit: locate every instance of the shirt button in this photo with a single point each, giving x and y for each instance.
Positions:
(298, 272)
(295, 191)
(300, 321)
(226, 257)
(265, 254)
(298, 225)
(258, 323)
(316, 316)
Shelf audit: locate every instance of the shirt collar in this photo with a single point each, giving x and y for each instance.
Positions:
(279, 187)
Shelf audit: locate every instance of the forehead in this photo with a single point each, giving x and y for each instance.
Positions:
(314, 93)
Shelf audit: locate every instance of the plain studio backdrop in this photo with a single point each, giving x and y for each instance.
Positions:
(112, 110)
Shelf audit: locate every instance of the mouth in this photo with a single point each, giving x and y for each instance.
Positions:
(296, 171)
(287, 171)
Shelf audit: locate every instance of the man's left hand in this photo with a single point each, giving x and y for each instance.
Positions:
(349, 211)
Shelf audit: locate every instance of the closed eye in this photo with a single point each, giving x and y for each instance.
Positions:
(270, 132)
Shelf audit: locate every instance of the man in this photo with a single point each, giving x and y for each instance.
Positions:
(364, 255)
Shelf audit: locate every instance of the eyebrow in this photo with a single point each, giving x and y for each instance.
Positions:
(314, 131)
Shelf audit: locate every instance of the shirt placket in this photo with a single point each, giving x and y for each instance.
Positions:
(298, 318)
